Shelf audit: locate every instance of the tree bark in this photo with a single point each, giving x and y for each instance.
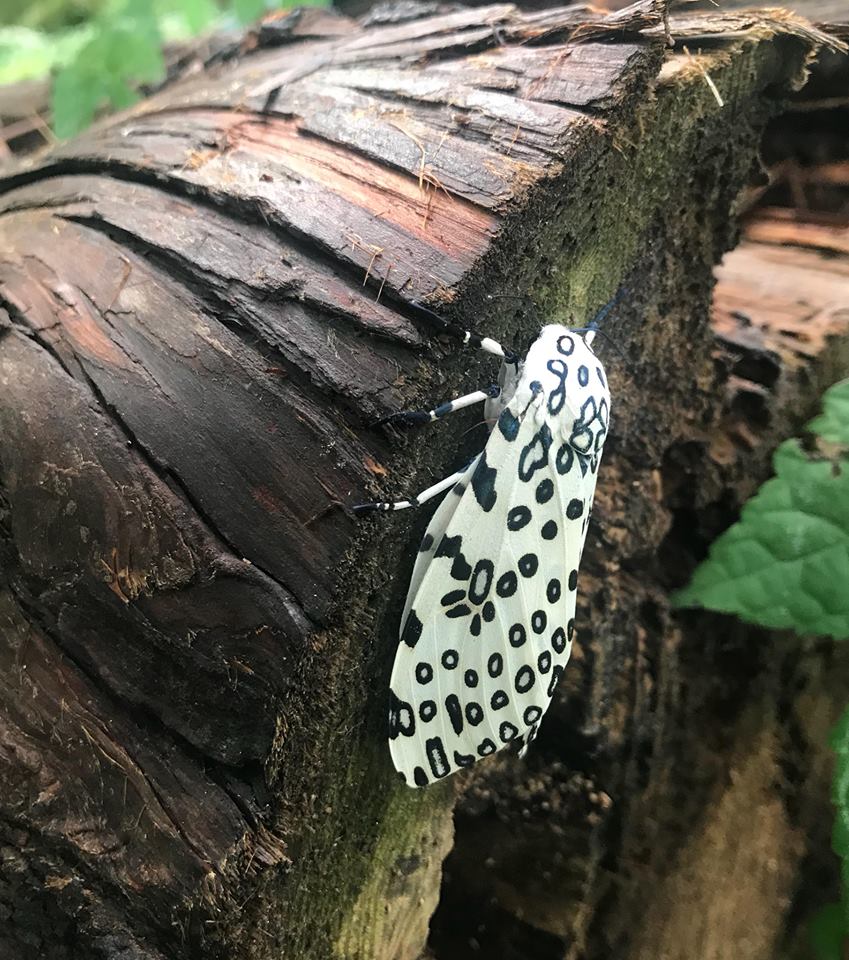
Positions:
(204, 307)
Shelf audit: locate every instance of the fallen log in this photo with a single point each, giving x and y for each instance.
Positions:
(206, 303)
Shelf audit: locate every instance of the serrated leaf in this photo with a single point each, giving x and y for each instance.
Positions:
(785, 564)
(833, 423)
(74, 98)
(123, 50)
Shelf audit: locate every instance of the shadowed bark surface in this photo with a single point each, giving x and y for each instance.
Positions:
(204, 307)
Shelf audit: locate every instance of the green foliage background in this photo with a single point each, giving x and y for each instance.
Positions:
(785, 564)
(101, 51)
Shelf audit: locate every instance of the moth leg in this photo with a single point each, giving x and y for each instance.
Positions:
(417, 501)
(409, 417)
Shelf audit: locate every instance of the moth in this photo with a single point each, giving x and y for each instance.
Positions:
(489, 617)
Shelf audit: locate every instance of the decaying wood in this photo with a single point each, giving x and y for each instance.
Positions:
(204, 307)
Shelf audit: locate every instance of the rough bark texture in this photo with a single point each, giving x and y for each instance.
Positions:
(204, 307)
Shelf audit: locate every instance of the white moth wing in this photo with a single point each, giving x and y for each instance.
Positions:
(507, 380)
(487, 628)
(434, 533)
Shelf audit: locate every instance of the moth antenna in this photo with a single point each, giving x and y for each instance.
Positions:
(467, 337)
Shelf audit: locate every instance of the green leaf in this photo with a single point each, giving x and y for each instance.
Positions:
(785, 564)
(124, 49)
(73, 100)
(833, 423)
(828, 932)
(838, 739)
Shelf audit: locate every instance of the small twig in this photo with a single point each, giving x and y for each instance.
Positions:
(711, 85)
(383, 283)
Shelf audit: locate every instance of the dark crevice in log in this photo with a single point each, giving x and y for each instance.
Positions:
(246, 327)
(188, 275)
(88, 194)
(139, 714)
(174, 482)
(57, 856)
(246, 211)
(161, 470)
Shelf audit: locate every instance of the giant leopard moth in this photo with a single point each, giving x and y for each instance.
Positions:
(488, 621)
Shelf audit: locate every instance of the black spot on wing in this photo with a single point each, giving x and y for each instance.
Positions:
(424, 672)
(518, 517)
(420, 777)
(412, 629)
(452, 597)
(427, 710)
(507, 731)
(495, 664)
(463, 759)
(532, 715)
(545, 490)
(564, 459)
(517, 635)
(452, 547)
(455, 712)
(549, 530)
(402, 721)
(506, 585)
(508, 425)
(499, 699)
(450, 659)
(474, 713)
(483, 484)
(436, 757)
(534, 455)
(525, 678)
(481, 581)
(461, 610)
(558, 640)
